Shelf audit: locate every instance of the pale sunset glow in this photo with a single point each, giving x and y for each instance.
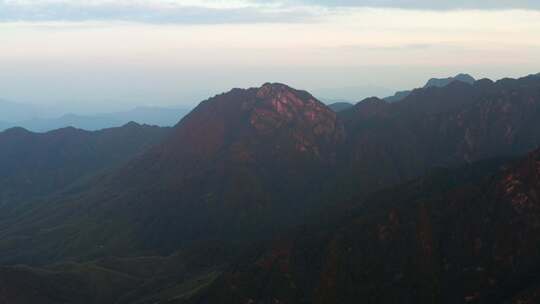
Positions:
(173, 50)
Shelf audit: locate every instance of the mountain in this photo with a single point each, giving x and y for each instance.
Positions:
(388, 143)
(143, 115)
(398, 96)
(250, 164)
(442, 82)
(468, 235)
(433, 82)
(89, 123)
(35, 165)
(340, 106)
(235, 168)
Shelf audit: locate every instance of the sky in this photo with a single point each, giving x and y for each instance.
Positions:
(108, 55)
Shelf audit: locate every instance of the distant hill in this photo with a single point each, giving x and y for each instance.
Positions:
(442, 82)
(143, 115)
(398, 96)
(433, 82)
(155, 116)
(89, 123)
(350, 93)
(340, 106)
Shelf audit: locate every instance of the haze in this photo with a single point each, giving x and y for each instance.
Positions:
(96, 56)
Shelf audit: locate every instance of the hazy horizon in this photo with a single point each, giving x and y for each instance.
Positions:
(102, 56)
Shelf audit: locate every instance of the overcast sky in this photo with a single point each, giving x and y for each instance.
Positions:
(112, 54)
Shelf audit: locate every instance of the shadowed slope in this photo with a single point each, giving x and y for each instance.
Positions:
(39, 164)
(462, 236)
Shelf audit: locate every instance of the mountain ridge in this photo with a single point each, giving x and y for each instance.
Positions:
(163, 117)
(433, 82)
(42, 163)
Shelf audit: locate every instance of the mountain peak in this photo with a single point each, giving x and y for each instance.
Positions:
(275, 111)
(16, 131)
(282, 92)
(279, 91)
(278, 105)
(465, 77)
(272, 88)
(131, 124)
(434, 82)
(442, 82)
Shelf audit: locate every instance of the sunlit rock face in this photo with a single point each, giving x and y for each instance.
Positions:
(270, 121)
(310, 124)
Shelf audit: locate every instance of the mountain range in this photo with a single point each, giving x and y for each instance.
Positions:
(433, 82)
(43, 119)
(36, 120)
(340, 105)
(266, 195)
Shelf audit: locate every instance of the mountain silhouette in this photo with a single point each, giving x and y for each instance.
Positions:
(163, 117)
(433, 82)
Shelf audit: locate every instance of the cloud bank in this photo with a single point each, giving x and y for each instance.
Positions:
(221, 11)
(432, 4)
(150, 11)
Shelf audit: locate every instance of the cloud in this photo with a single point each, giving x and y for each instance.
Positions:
(222, 11)
(431, 4)
(153, 11)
